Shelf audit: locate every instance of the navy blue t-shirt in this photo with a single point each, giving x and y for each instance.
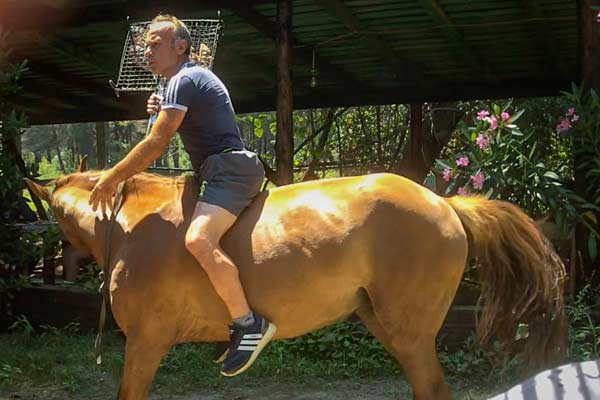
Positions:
(209, 124)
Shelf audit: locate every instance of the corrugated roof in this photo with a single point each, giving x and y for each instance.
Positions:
(367, 51)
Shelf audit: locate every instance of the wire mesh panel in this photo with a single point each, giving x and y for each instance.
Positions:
(134, 75)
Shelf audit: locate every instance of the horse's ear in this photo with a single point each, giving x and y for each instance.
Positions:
(82, 167)
(40, 191)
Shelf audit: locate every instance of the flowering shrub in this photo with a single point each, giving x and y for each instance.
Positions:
(581, 124)
(494, 157)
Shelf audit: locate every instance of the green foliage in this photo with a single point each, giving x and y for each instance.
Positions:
(581, 123)
(473, 362)
(17, 249)
(348, 345)
(584, 327)
(22, 326)
(529, 167)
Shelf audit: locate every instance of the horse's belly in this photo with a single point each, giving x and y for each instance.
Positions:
(307, 311)
(301, 295)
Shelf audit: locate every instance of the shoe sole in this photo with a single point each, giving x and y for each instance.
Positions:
(221, 358)
(261, 345)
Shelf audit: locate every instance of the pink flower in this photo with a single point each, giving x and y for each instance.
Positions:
(482, 141)
(462, 191)
(493, 123)
(570, 112)
(575, 118)
(505, 116)
(481, 115)
(477, 180)
(563, 126)
(462, 161)
(447, 174)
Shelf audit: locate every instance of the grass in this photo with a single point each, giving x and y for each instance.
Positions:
(65, 364)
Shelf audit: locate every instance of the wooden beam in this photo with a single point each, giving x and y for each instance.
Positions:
(463, 52)
(101, 155)
(103, 93)
(257, 67)
(544, 40)
(542, 85)
(302, 52)
(284, 142)
(399, 67)
(431, 92)
(81, 56)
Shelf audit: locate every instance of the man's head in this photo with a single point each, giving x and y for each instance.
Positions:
(168, 44)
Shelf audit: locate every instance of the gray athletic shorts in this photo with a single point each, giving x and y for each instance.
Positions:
(230, 180)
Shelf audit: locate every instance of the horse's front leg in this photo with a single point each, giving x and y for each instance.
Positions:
(142, 357)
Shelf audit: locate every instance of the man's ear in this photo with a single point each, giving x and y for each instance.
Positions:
(40, 191)
(82, 167)
(181, 45)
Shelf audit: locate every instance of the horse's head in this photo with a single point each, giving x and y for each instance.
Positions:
(145, 195)
(68, 198)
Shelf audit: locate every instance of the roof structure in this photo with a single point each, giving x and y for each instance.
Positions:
(365, 51)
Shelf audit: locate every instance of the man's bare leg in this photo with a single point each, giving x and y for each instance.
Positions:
(249, 336)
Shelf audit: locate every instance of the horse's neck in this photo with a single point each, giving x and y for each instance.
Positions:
(83, 227)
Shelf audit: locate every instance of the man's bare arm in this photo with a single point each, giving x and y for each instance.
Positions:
(152, 147)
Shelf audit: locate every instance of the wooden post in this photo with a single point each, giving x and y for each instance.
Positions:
(48, 268)
(100, 145)
(284, 141)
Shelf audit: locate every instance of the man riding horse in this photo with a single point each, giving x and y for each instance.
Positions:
(197, 105)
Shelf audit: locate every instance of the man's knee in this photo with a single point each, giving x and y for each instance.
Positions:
(199, 244)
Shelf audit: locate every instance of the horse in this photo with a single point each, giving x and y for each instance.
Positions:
(378, 247)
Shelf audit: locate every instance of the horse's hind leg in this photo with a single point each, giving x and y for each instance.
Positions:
(142, 357)
(416, 355)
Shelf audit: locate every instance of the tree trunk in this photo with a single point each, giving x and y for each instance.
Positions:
(100, 145)
(340, 155)
(317, 154)
(379, 140)
(419, 157)
(61, 164)
(284, 143)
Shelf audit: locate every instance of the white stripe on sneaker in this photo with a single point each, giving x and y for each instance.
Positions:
(252, 336)
(251, 341)
(246, 348)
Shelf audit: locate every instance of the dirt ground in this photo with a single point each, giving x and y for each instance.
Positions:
(340, 390)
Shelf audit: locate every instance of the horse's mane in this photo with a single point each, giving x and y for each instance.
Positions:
(140, 181)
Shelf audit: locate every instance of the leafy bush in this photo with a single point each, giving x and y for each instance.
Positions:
(584, 329)
(494, 157)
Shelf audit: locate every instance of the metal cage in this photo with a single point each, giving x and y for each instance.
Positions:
(134, 75)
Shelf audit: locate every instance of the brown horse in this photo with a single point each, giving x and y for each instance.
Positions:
(378, 246)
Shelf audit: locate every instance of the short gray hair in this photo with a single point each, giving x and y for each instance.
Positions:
(181, 31)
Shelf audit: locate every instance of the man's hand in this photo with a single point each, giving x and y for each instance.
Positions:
(153, 106)
(103, 192)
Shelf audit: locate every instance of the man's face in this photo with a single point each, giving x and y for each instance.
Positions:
(162, 50)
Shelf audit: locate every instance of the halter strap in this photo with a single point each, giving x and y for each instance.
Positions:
(104, 274)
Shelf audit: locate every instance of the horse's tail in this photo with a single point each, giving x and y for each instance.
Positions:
(520, 275)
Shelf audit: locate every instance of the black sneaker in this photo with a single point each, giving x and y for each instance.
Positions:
(246, 343)
(221, 350)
